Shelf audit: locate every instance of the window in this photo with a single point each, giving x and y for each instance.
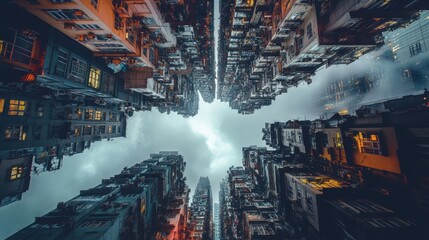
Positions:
(98, 115)
(118, 22)
(109, 129)
(94, 3)
(77, 131)
(67, 14)
(309, 31)
(17, 107)
(309, 201)
(16, 132)
(113, 116)
(368, 143)
(16, 172)
(61, 64)
(54, 131)
(37, 131)
(39, 110)
(1, 105)
(113, 129)
(94, 78)
(93, 224)
(102, 129)
(338, 141)
(79, 114)
(89, 114)
(77, 70)
(87, 130)
(87, 26)
(108, 85)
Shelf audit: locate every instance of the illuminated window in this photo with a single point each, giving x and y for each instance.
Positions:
(94, 78)
(16, 172)
(98, 115)
(16, 132)
(17, 108)
(77, 131)
(368, 143)
(338, 141)
(109, 129)
(1, 105)
(89, 114)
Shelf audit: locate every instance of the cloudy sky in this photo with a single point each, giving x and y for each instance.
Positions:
(210, 142)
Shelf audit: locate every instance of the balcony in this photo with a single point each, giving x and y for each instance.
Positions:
(18, 48)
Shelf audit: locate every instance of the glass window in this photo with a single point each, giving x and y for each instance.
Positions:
(61, 63)
(87, 130)
(109, 129)
(54, 131)
(39, 110)
(94, 78)
(37, 131)
(98, 115)
(77, 131)
(17, 107)
(16, 132)
(309, 31)
(16, 172)
(113, 116)
(108, 83)
(94, 3)
(368, 143)
(67, 14)
(77, 70)
(102, 129)
(93, 224)
(119, 24)
(89, 114)
(1, 105)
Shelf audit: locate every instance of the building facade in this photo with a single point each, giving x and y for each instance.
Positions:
(146, 201)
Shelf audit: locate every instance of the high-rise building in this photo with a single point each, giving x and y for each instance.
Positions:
(270, 46)
(201, 212)
(216, 222)
(146, 201)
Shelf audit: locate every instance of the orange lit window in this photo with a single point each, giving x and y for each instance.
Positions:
(17, 107)
(368, 143)
(16, 172)
(1, 105)
(94, 78)
(98, 115)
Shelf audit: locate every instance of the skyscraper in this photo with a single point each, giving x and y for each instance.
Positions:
(201, 212)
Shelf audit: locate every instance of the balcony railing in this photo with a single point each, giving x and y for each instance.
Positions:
(19, 51)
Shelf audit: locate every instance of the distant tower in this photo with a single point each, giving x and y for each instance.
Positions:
(201, 214)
